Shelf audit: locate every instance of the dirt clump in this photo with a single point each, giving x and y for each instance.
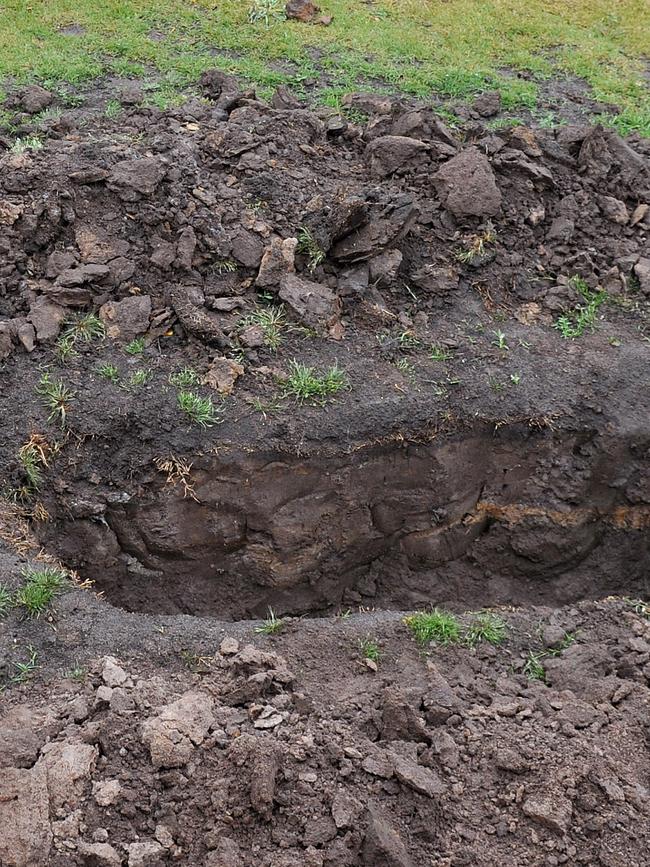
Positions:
(458, 753)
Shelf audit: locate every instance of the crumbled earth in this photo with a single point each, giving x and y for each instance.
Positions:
(293, 750)
(474, 457)
(510, 451)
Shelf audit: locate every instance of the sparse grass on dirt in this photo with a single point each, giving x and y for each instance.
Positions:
(271, 320)
(272, 625)
(56, 397)
(308, 246)
(109, 371)
(40, 588)
(184, 378)
(136, 346)
(455, 49)
(198, 409)
(486, 626)
(6, 600)
(370, 649)
(84, 328)
(306, 384)
(575, 322)
(437, 625)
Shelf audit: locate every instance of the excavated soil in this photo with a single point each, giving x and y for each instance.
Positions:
(475, 457)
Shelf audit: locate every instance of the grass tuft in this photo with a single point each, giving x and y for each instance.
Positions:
(184, 378)
(198, 409)
(575, 322)
(56, 397)
(437, 625)
(109, 372)
(304, 384)
(271, 320)
(309, 247)
(486, 626)
(30, 143)
(6, 600)
(272, 625)
(136, 346)
(39, 589)
(370, 649)
(84, 328)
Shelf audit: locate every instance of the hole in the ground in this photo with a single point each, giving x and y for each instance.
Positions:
(478, 519)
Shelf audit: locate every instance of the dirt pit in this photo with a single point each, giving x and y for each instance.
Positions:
(471, 520)
(352, 365)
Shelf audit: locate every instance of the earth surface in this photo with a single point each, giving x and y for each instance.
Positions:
(273, 378)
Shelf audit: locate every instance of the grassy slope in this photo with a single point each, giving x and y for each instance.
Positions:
(455, 47)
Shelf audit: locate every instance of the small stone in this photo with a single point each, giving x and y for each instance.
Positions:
(278, 259)
(467, 185)
(164, 836)
(144, 853)
(35, 99)
(9, 212)
(642, 272)
(126, 319)
(639, 214)
(614, 209)
(252, 337)
(229, 646)
(106, 792)
(99, 854)
(552, 810)
(27, 336)
(222, 375)
(112, 673)
(488, 104)
(302, 10)
(103, 694)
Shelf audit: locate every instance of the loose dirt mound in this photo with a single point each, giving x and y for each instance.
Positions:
(290, 751)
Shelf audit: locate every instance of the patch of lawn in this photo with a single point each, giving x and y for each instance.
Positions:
(456, 48)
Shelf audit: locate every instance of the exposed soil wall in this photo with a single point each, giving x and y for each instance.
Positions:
(481, 517)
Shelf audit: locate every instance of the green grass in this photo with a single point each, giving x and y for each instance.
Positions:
(305, 384)
(6, 600)
(271, 320)
(308, 246)
(487, 627)
(533, 666)
(137, 379)
(25, 670)
(32, 460)
(575, 322)
(440, 353)
(437, 625)
(109, 371)
(39, 589)
(456, 48)
(56, 397)
(198, 409)
(184, 378)
(22, 145)
(84, 328)
(370, 649)
(272, 625)
(136, 346)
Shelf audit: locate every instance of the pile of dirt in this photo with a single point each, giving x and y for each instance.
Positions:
(235, 237)
(293, 750)
(157, 211)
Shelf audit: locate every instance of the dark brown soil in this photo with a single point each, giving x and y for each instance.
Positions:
(289, 750)
(476, 457)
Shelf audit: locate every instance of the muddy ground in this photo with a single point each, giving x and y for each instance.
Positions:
(483, 292)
